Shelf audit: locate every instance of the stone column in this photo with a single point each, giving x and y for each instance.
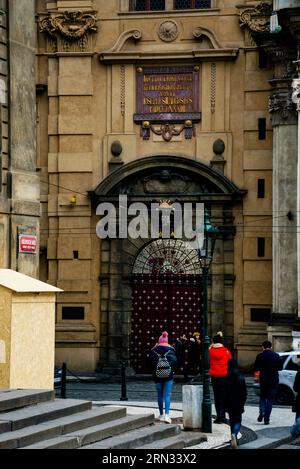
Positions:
(296, 100)
(285, 292)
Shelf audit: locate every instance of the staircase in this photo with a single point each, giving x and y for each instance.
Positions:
(36, 420)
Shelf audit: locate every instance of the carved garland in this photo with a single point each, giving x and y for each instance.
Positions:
(69, 27)
(168, 131)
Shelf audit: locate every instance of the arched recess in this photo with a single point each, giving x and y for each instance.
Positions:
(151, 179)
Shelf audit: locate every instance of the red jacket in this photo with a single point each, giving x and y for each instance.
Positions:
(218, 356)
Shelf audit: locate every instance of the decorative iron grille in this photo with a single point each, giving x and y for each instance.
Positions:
(168, 256)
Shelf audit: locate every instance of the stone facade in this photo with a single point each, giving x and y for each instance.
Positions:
(92, 147)
(19, 181)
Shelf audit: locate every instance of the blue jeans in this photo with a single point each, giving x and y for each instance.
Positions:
(235, 423)
(267, 397)
(164, 395)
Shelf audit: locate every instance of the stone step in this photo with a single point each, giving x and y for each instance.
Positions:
(62, 426)
(14, 399)
(137, 438)
(33, 415)
(180, 441)
(110, 429)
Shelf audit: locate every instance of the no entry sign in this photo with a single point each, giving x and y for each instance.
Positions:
(27, 244)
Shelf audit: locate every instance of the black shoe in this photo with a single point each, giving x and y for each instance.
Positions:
(218, 421)
(266, 421)
(260, 418)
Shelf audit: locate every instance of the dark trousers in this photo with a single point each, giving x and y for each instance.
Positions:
(218, 388)
(267, 397)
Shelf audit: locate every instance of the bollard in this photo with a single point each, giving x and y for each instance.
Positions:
(123, 383)
(63, 381)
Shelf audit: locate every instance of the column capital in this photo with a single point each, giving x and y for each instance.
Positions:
(296, 92)
(282, 108)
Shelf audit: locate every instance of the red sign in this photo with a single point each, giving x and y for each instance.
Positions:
(27, 244)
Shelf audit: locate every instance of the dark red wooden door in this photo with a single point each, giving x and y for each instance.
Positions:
(171, 303)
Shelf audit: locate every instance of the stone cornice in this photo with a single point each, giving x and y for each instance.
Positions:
(117, 54)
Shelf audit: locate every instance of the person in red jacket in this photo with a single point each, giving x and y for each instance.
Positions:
(219, 356)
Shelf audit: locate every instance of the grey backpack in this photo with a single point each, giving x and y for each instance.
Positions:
(163, 367)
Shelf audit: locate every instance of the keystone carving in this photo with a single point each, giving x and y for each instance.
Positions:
(68, 28)
(168, 31)
(257, 18)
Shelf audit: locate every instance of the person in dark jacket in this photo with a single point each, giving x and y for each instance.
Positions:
(218, 358)
(180, 347)
(235, 395)
(297, 390)
(268, 363)
(163, 385)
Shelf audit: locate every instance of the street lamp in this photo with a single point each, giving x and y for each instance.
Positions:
(205, 253)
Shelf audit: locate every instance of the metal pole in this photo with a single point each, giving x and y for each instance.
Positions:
(123, 383)
(63, 381)
(206, 402)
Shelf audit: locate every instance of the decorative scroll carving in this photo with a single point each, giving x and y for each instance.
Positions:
(257, 18)
(168, 131)
(135, 34)
(168, 31)
(281, 108)
(201, 33)
(68, 30)
(296, 92)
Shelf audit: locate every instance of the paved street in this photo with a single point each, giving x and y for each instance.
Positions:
(137, 390)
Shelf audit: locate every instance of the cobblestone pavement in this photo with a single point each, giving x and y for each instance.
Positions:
(137, 390)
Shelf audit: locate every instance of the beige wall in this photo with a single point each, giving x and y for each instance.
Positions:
(90, 104)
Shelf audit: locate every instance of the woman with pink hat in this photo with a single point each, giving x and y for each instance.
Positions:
(163, 360)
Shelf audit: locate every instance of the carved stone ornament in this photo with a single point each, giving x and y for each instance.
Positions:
(168, 31)
(282, 108)
(69, 27)
(257, 18)
(168, 131)
(296, 92)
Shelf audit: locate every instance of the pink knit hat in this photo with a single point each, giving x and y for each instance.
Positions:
(163, 338)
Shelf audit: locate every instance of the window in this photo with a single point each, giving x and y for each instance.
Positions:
(293, 363)
(191, 4)
(262, 128)
(261, 189)
(160, 5)
(147, 5)
(262, 59)
(260, 314)
(72, 313)
(261, 247)
(75, 254)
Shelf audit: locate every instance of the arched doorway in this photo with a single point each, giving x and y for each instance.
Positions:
(154, 178)
(166, 295)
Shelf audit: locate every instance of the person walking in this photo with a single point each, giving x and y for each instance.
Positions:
(218, 357)
(194, 356)
(268, 364)
(163, 350)
(295, 430)
(235, 395)
(180, 347)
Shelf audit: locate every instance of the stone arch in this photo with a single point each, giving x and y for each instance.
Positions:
(150, 178)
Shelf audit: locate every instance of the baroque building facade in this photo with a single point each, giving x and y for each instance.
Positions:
(163, 101)
(19, 181)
